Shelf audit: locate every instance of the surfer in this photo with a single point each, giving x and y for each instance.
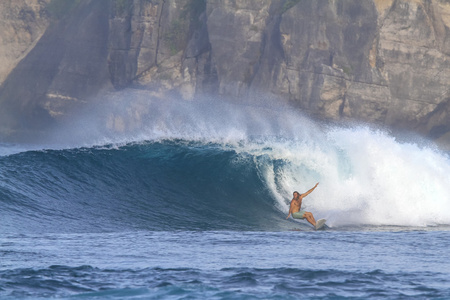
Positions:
(296, 204)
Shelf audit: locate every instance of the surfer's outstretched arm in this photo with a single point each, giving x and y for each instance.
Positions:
(309, 192)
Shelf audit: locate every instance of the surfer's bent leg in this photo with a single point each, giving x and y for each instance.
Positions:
(310, 218)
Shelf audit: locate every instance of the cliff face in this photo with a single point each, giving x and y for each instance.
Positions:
(64, 66)
(381, 61)
(23, 24)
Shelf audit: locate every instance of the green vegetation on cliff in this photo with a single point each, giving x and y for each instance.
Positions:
(289, 4)
(177, 35)
(60, 8)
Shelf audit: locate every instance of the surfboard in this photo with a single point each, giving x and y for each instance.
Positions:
(320, 223)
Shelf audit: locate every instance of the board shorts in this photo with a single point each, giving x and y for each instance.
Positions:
(299, 214)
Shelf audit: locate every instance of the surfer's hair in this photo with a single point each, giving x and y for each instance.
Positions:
(297, 193)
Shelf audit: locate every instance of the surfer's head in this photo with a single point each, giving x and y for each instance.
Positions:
(296, 194)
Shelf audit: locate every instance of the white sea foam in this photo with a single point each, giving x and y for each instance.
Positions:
(366, 177)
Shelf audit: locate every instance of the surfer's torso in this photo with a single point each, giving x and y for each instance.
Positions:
(296, 205)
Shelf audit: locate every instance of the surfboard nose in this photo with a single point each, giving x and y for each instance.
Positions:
(320, 223)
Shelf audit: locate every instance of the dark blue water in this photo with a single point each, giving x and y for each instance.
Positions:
(196, 218)
(227, 265)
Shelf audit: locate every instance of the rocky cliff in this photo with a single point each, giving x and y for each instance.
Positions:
(380, 61)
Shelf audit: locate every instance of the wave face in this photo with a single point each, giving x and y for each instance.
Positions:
(173, 185)
(220, 169)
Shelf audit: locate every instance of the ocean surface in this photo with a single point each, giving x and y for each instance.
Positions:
(191, 203)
